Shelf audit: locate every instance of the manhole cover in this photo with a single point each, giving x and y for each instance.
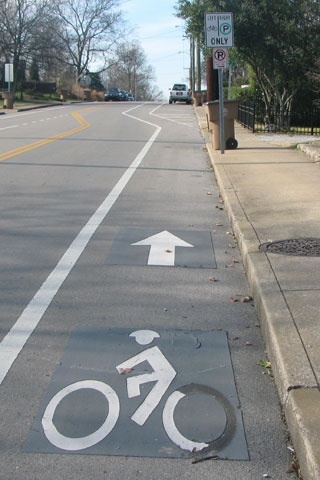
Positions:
(302, 247)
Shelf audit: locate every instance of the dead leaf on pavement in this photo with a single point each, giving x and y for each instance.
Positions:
(124, 371)
(212, 279)
(246, 299)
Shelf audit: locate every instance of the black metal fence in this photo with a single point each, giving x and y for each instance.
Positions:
(247, 115)
(306, 123)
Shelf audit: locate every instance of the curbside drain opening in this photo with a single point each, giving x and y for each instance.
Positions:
(301, 247)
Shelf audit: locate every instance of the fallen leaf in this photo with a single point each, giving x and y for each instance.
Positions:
(235, 260)
(124, 371)
(204, 149)
(212, 279)
(264, 364)
(248, 344)
(246, 299)
(168, 251)
(219, 224)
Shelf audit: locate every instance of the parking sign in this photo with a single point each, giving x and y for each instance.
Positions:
(219, 30)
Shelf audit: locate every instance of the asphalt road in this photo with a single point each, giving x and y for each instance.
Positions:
(84, 191)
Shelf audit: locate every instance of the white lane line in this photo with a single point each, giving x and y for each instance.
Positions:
(14, 341)
(32, 112)
(6, 128)
(163, 117)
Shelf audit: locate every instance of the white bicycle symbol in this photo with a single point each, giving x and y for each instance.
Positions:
(163, 374)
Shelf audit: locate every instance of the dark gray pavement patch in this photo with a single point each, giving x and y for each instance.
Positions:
(169, 393)
(133, 246)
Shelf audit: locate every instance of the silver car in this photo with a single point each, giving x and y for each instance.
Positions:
(180, 93)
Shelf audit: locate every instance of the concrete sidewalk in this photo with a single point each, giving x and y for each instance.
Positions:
(272, 192)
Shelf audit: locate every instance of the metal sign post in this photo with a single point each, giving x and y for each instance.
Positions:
(219, 36)
(221, 110)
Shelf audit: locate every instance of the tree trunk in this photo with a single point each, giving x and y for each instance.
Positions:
(212, 81)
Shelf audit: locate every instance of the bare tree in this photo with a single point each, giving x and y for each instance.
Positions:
(19, 21)
(132, 73)
(90, 29)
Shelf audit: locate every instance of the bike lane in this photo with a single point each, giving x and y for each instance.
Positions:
(105, 299)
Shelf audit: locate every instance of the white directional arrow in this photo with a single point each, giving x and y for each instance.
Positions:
(163, 248)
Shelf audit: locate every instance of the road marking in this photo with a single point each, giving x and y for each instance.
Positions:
(14, 341)
(6, 128)
(26, 148)
(67, 443)
(32, 112)
(163, 117)
(163, 248)
(163, 375)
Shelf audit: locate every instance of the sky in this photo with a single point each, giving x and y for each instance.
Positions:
(161, 35)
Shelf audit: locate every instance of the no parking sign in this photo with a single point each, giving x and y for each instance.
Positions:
(220, 57)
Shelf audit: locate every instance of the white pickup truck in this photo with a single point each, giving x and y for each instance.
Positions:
(180, 93)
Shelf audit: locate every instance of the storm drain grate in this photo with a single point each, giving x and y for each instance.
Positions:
(301, 247)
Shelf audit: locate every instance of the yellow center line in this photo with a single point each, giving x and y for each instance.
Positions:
(40, 143)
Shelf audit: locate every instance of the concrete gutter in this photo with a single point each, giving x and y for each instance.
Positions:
(244, 178)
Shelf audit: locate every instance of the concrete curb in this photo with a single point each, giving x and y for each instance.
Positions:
(295, 380)
(35, 107)
(312, 150)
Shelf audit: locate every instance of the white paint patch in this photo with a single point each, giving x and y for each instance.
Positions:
(69, 443)
(32, 112)
(6, 128)
(163, 374)
(144, 337)
(14, 341)
(163, 248)
(165, 117)
(171, 429)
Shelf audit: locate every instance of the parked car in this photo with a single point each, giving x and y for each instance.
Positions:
(123, 95)
(180, 93)
(112, 94)
(130, 97)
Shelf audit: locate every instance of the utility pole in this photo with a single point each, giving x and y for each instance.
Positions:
(192, 64)
(198, 55)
